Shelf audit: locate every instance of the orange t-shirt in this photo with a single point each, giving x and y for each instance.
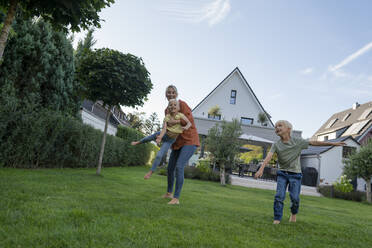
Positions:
(189, 136)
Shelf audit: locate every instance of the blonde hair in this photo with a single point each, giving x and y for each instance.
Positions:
(285, 123)
(177, 103)
(173, 87)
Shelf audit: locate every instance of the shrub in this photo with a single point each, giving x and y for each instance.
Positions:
(49, 139)
(193, 172)
(343, 184)
(330, 191)
(204, 165)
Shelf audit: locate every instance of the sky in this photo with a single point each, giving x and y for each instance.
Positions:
(304, 60)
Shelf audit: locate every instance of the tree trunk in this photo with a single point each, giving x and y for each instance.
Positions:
(7, 24)
(368, 190)
(222, 173)
(103, 143)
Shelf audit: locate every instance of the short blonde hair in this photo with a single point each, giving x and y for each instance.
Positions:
(174, 100)
(286, 123)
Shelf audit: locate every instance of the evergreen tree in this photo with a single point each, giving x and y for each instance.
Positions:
(39, 65)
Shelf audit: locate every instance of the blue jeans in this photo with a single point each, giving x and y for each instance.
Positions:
(166, 144)
(177, 161)
(284, 179)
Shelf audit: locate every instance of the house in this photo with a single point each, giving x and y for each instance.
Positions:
(355, 122)
(236, 99)
(324, 164)
(94, 114)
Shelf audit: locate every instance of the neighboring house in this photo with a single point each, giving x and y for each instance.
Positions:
(326, 162)
(94, 114)
(236, 99)
(355, 122)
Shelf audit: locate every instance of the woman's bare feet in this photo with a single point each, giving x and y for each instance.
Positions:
(276, 222)
(148, 175)
(133, 143)
(292, 218)
(174, 201)
(167, 195)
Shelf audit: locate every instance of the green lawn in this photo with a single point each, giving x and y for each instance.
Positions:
(75, 208)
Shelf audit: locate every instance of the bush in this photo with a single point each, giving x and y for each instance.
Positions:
(343, 184)
(330, 191)
(49, 139)
(193, 172)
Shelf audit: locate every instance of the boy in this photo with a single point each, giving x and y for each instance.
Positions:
(288, 150)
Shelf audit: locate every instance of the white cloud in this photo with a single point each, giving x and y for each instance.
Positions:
(351, 57)
(369, 78)
(212, 12)
(307, 71)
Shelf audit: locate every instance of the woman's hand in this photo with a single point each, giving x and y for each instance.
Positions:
(158, 140)
(173, 122)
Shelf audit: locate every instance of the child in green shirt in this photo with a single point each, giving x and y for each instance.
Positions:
(289, 174)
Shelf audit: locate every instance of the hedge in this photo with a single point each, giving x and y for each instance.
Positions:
(49, 139)
(330, 191)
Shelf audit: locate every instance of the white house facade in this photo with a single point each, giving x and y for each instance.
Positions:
(94, 114)
(328, 161)
(236, 100)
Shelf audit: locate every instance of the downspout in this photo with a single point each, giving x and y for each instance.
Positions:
(319, 163)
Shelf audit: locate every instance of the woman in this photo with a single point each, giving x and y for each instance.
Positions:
(182, 149)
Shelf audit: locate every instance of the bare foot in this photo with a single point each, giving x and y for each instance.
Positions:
(148, 175)
(292, 218)
(167, 195)
(174, 201)
(133, 143)
(276, 222)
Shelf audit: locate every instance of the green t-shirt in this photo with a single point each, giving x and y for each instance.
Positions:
(289, 153)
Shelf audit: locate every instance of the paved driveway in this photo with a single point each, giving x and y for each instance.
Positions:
(263, 184)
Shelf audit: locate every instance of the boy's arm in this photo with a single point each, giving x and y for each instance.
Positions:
(259, 173)
(158, 139)
(323, 143)
(188, 125)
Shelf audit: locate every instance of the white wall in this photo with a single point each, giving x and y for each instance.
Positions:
(246, 105)
(97, 122)
(330, 136)
(331, 165)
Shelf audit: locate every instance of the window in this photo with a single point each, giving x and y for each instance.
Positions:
(233, 97)
(331, 123)
(246, 121)
(355, 128)
(326, 138)
(365, 114)
(347, 150)
(346, 117)
(214, 117)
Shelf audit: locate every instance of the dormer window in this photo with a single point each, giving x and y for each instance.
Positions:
(233, 97)
(346, 117)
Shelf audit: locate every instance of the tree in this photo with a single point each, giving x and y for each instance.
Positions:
(39, 65)
(115, 79)
(223, 143)
(152, 124)
(262, 118)
(136, 120)
(359, 164)
(74, 14)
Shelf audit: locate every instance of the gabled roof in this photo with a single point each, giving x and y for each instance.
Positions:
(246, 83)
(315, 150)
(354, 121)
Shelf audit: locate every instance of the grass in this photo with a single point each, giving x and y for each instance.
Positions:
(76, 208)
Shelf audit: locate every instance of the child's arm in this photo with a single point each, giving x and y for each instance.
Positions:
(322, 143)
(163, 131)
(188, 125)
(259, 173)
